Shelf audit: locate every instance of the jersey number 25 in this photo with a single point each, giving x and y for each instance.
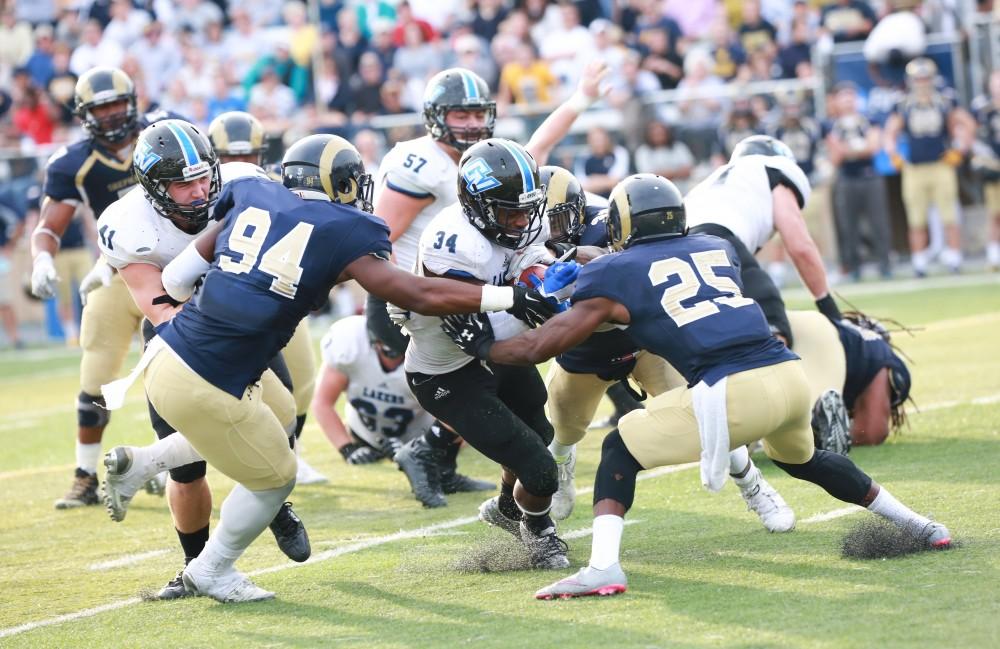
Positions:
(282, 260)
(689, 285)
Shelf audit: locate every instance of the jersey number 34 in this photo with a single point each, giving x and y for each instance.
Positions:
(690, 284)
(282, 261)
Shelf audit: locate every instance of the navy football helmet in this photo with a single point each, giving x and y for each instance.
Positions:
(565, 204)
(98, 87)
(645, 207)
(328, 164)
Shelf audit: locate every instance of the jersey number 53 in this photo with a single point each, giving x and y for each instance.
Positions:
(282, 260)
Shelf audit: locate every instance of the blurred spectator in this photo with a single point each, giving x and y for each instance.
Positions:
(859, 194)
(486, 18)
(127, 23)
(351, 44)
(94, 50)
(302, 38)
(32, 115)
(62, 85)
(381, 42)
(195, 15)
(11, 227)
(39, 64)
(634, 82)
(527, 80)
(740, 123)
(662, 57)
(799, 132)
(727, 53)
(760, 65)
(701, 102)
(289, 74)
(797, 51)
(270, 98)
(695, 19)
(158, 56)
(664, 155)
(197, 72)
(36, 12)
(607, 45)
(366, 89)
(371, 146)
(176, 98)
(332, 91)
(439, 14)
(545, 18)
(566, 49)
(417, 59)
(16, 42)
(391, 97)
(405, 18)
(755, 32)
(223, 98)
(243, 45)
(471, 53)
(213, 44)
(987, 162)
(265, 13)
(604, 165)
(848, 20)
(652, 17)
(368, 11)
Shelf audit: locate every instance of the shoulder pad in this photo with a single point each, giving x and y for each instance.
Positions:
(339, 346)
(782, 171)
(126, 233)
(453, 244)
(233, 170)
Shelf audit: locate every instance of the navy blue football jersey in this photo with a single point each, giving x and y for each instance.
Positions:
(87, 172)
(926, 127)
(866, 354)
(276, 259)
(608, 354)
(685, 299)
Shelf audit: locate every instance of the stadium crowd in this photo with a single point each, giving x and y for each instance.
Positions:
(343, 66)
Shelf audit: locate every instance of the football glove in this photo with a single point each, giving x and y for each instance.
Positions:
(828, 307)
(531, 307)
(43, 276)
(398, 316)
(98, 276)
(472, 332)
(560, 280)
(953, 158)
(357, 454)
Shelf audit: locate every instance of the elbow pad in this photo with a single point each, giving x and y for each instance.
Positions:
(181, 274)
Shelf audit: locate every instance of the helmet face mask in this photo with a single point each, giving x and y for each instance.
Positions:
(330, 165)
(457, 90)
(565, 204)
(97, 91)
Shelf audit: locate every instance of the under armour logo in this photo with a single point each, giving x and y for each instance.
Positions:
(467, 335)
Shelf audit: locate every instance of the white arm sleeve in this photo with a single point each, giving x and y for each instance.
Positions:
(180, 275)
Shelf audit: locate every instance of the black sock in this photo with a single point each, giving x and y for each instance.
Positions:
(538, 524)
(506, 502)
(300, 423)
(193, 543)
(437, 436)
(622, 400)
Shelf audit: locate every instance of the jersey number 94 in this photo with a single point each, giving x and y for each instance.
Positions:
(282, 261)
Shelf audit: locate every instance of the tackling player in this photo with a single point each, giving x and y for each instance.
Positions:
(679, 296)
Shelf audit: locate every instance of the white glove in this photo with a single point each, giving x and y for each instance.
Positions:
(99, 275)
(526, 258)
(398, 316)
(43, 276)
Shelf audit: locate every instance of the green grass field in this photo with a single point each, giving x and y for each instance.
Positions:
(386, 573)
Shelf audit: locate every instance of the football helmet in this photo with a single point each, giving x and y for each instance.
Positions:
(498, 183)
(237, 134)
(761, 145)
(100, 86)
(387, 337)
(457, 89)
(331, 165)
(565, 203)
(645, 207)
(174, 150)
(921, 69)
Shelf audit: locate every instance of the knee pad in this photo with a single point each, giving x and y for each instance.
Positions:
(617, 472)
(757, 284)
(538, 474)
(91, 411)
(189, 472)
(835, 473)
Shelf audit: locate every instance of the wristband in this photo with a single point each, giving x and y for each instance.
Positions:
(828, 307)
(347, 449)
(49, 232)
(580, 102)
(496, 298)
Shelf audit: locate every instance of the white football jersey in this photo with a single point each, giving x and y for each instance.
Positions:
(418, 168)
(379, 403)
(453, 247)
(738, 196)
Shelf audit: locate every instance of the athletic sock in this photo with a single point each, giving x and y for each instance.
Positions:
(508, 506)
(561, 452)
(192, 542)
(607, 541)
(538, 522)
(244, 515)
(886, 506)
(87, 456)
(993, 253)
(164, 454)
(740, 465)
(437, 436)
(919, 261)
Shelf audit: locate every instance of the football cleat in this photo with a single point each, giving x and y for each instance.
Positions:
(830, 423)
(121, 482)
(565, 497)
(420, 463)
(936, 536)
(229, 587)
(548, 551)
(587, 581)
(175, 588)
(157, 485)
(765, 500)
(305, 474)
(489, 513)
(82, 493)
(290, 534)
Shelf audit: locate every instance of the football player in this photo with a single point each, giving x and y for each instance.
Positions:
(499, 410)
(679, 297)
(179, 177)
(274, 256)
(417, 179)
(382, 414)
(580, 375)
(94, 172)
(239, 137)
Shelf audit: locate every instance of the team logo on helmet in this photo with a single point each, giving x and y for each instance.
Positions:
(478, 176)
(144, 157)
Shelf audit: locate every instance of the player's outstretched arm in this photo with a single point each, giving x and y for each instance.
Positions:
(143, 281)
(557, 125)
(53, 220)
(801, 248)
(184, 270)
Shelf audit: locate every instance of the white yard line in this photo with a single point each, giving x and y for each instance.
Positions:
(127, 560)
(830, 515)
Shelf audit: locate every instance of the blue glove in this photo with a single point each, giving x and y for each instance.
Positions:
(560, 280)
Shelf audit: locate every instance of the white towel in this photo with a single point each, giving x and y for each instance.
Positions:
(114, 392)
(709, 404)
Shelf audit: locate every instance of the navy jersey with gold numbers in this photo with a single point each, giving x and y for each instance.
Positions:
(865, 353)
(926, 126)
(276, 259)
(684, 297)
(86, 172)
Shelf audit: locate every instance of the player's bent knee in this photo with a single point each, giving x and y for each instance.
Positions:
(836, 474)
(617, 472)
(538, 474)
(91, 411)
(189, 473)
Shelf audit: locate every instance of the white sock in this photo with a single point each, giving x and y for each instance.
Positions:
(244, 515)
(168, 453)
(993, 253)
(739, 460)
(607, 542)
(951, 257)
(886, 506)
(560, 451)
(87, 456)
(919, 260)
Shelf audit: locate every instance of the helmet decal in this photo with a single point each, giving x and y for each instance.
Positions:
(524, 167)
(145, 157)
(478, 176)
(471, 92)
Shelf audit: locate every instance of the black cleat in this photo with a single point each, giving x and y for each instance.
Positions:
(454, 482)
(174, 589)
(548, 551)
(830, 424)
(82, 493)
(290, 534)
(420, 463)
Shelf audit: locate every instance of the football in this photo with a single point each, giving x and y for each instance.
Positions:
(537, 270)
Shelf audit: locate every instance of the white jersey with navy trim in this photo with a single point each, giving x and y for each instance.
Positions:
(379, 403)
(421, 169)
(738, 196)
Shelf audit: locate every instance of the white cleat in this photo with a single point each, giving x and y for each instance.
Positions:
(122, 480)
(305, 474)
(587, 581)
(229, 587)
(565, 497)
(157, 485)
(764, 499)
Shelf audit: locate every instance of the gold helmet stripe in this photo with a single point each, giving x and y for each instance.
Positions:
(555, 193)
(120, 82)
(620, 199)
(218, 136)
(326, 159)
